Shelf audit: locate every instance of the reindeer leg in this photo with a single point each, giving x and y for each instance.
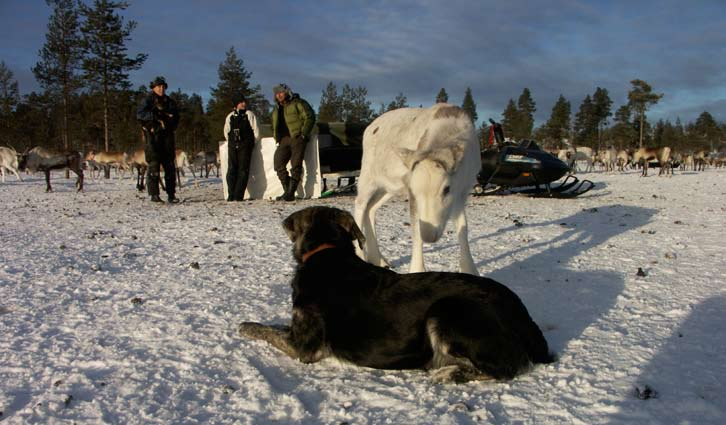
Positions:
(367, 203)
(417, 260)
(47, 182)
(466, 262)
(79, 181)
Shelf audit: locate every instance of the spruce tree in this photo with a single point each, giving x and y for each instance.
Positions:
(510, 119)
(601, 110)
(622, 131)
(442, 97)
(585, 126)
(355, 106)
(526, 108)
(640, 98)
(233, 80)
(706, 131)
(469, 106)
(9, 99)
(329, 110)
(557, 127)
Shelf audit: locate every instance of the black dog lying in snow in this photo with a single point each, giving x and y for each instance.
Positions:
(462, 327)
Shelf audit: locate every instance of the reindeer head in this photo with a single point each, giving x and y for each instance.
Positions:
(433, 187)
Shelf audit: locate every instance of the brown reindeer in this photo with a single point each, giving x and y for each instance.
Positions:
(700, 159)
(108, 159)
(137, 160)
(40, 159)
(662, 155)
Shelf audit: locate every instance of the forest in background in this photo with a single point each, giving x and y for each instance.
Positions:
(87, 101)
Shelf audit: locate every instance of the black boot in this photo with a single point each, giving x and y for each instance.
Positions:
(155, 198)
(289, 194)
(173, 199)
(285, 184)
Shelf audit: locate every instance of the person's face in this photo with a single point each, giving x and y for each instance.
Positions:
(280, 96)
(159, 89)
(242, 105)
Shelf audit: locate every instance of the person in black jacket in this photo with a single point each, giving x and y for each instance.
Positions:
(241, 132)
(159, 117)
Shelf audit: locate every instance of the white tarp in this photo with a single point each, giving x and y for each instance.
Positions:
(263, 182)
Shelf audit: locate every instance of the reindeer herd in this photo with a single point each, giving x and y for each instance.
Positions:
(39, 159)
(664, 158)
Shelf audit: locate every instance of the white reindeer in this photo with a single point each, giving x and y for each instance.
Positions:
(584, 153)
(181, 160)
(9, 161)
(430, 155)
(608, 157)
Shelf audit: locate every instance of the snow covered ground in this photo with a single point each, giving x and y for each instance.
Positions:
(114, 310)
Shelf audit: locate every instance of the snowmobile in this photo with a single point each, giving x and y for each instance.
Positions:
(524, 168)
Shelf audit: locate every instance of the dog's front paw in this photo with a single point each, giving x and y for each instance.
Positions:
(252, 330)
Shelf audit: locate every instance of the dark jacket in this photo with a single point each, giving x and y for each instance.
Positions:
(299, 117)
(158, 113)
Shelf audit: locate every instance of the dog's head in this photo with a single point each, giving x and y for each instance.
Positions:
(312, 227)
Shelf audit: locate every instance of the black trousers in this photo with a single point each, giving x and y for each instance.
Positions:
(238, 169)
(290, 149)
(160, 153)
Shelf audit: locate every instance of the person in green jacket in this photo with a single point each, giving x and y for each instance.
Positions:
(292, 121)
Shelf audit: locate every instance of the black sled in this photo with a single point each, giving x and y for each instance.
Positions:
(524, 169)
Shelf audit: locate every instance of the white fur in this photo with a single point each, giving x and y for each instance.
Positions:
(608, 157)
(418, 153)
(9, 161)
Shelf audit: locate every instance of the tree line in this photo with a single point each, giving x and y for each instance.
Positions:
(88, 102)
(594, 125)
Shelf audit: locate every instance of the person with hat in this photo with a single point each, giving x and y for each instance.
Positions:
(292, 121)
(240, 131)
(159, 117)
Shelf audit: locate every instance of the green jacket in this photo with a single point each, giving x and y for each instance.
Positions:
(299, 117)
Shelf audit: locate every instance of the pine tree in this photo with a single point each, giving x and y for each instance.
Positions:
(510, 119)
(9, 99)
(469, 106)
(557, 128)
(233, 80)
(399, 102)
(526, 108)
(640, 98)
(61, 58)
(442, 97)
(106, 65)
(601, 109)
(329, 110)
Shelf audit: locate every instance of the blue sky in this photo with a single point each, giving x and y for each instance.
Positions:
(497, 48)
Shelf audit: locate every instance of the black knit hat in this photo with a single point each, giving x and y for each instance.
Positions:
(237, 99)
(158, 81)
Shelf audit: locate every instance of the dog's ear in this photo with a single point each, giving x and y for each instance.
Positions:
(294, 224)
(347, 222)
